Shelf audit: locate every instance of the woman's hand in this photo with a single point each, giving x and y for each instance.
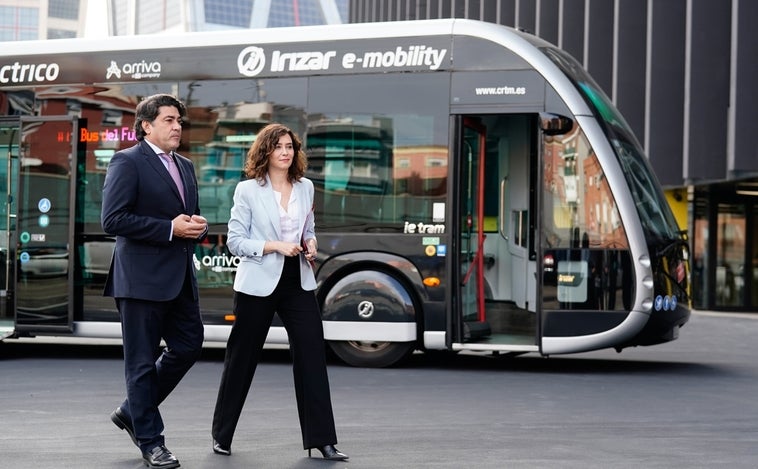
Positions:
(310, 254)
(284, 248)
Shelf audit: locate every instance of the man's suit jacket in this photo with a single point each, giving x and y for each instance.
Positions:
(139, 202)
(254, 220)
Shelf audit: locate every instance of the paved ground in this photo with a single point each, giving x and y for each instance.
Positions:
(690, 404)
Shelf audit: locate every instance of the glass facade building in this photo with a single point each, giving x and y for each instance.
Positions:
(26, 20)
(152, 16)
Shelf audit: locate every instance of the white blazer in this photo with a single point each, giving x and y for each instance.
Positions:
(255, 220)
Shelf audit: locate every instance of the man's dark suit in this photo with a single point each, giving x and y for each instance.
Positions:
(152, 279)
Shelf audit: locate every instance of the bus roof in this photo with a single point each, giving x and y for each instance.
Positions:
(403, 46)
(295, 34)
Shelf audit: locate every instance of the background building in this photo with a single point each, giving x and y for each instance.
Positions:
(127, 17)
(23, 20)
(683, 74)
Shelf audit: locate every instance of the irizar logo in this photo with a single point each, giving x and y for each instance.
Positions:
(301, 61)
(252, 60)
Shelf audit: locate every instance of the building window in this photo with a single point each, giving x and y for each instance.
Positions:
(60, 33)
(18, 24)
(228, 13)
(66, 9)
(156, 16)
(342, 7)
(300, 13)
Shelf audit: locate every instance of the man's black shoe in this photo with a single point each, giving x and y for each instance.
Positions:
(122, 422)
(160, 457)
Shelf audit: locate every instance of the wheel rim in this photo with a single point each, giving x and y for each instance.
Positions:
(368, 346)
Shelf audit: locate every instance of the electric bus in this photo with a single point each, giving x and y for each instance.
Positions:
(475, 189)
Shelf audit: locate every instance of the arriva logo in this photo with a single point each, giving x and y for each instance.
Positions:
(219, 263)
(137, 70)
(34, 73)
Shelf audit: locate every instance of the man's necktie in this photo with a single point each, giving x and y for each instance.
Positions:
(174, 172)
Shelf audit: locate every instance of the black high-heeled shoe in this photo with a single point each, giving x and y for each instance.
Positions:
(218, 448)
(331, 453)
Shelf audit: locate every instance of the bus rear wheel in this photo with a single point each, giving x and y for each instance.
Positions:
(372, 354)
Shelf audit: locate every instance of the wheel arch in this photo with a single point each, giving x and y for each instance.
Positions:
(399, 267)
(371, 306)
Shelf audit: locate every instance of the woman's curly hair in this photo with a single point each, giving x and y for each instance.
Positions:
(256, 163)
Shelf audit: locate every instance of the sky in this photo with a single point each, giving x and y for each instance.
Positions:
(96, 25)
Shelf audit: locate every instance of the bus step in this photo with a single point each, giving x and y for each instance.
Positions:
(6, 329)
(475, 330)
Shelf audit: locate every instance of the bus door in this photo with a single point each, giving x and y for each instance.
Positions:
(498, 164)
(9, 135)
(473, 319)
(516, 155)
(43, 235)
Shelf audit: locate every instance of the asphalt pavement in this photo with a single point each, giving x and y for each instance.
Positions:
(690, 403)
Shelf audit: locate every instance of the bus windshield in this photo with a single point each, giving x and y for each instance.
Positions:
(658, 221)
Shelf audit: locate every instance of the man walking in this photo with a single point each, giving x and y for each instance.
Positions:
(150, 203)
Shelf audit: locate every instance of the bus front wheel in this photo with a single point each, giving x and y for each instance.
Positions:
(372, 354)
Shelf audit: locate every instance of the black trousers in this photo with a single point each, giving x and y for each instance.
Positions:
(300, 314)
(152, 373)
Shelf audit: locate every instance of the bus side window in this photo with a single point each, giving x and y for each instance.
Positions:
(354, 201)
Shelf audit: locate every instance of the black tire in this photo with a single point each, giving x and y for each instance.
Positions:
(371, 354)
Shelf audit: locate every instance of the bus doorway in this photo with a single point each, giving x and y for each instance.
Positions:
(9, 135)
(496, 228)
(42, 237)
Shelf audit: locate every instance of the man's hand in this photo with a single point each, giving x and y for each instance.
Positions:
(191, 227)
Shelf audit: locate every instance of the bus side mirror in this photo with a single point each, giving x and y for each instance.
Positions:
(554, 124)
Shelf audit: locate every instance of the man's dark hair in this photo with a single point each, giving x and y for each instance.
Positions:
(149, 108)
